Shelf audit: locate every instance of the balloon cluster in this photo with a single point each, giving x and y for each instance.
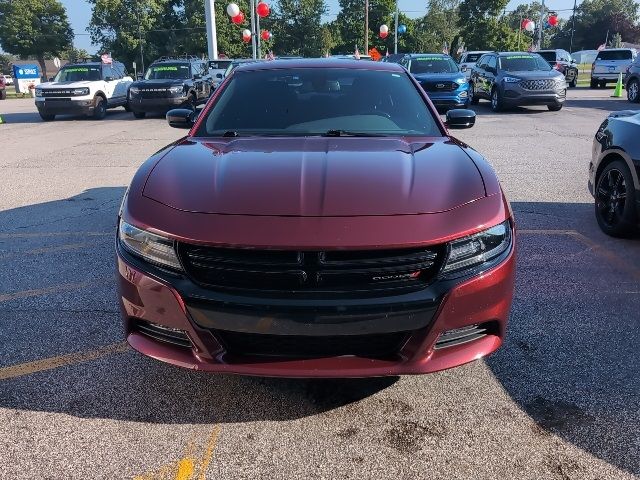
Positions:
(384, 31)
(238, 18)
(528, 25)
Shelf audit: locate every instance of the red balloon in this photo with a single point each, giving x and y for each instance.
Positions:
(238, 19)
(246, 35)
(384, 34)
(524, 23)
(263, 9)
(553, 20)
(265, 35)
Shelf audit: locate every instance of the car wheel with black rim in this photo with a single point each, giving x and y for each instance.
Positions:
(47, 117)
(602, 84)
(633, 91)
(3, 94)
(593, 84)
(615, 200)
(127, 108)
(496, 100)
(556, 107)
(100, 109)
(473, 99)
(574, 81)
(139, 114)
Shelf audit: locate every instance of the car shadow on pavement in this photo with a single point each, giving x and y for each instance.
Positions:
(34, 117)
(570, 360)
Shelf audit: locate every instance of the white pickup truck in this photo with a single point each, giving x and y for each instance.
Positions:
(609, 64)
(86, 88)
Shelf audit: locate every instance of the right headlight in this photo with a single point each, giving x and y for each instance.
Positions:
(38, 92)
(475, 250)
(153, 248)
(134, 90)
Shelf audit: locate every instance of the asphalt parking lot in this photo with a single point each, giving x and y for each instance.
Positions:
(560, 400)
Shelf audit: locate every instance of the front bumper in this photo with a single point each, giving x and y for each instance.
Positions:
(456, 99)
(156, 104)
(605, 77)
(164, 299)
(515, 95)
(62, 106)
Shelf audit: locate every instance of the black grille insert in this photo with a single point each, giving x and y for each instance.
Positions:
(369, 346)
(465, 334)
(162, 333)
(324, 271)
(444, 86)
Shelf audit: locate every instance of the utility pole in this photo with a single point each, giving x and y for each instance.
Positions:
(258, 39)
(540, 25)
(519, 31)
(254, 38)
(573, 25)
(395, 38)
(366, 27)
(212, 38)
(140, 37)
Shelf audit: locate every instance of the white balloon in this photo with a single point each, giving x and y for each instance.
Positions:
(246, 33)
(233, 9)
(530, 26)
(384, 29)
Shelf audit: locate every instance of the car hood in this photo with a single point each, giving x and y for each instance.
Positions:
(315, 177)
(83, 83)
(533, 75)
(434, 77)
(159, 83)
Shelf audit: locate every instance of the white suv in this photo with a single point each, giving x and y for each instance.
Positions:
(468, 60)
(609, 64)
(87, 88)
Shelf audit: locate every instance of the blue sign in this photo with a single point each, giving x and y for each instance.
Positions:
(26, 71)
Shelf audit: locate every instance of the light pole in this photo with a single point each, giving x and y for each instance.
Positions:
(540, 25)
(140, 37)
(395, 37)
(573, 25)
(212, 39)
(366, 27)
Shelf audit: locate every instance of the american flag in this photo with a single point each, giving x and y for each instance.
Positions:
(356, 54)
(271, 56)
(106, 58)
(445, 48)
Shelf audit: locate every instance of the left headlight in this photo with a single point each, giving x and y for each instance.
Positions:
(38, 92)
(149, 246)
(511, 79)
(81, 91)
(176, 90)
(461, 81)
(475, 250)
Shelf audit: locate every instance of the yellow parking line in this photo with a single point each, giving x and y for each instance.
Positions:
(14, 371)
(208, 454)
(56, 234)
(38, 251)
(63, 287)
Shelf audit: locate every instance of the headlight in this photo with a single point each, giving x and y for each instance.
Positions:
(81, 91)
(176, 90)
(151, 247)
(38, 92)
(511, 79)
(134, 90)
(475, 250)
(461, 81)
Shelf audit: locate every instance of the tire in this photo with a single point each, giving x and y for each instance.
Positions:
(615, 205)
(574, 82)
(602, 84)
(139, 114)
(47, 117)
(473, 99)
(556, 107)
(633, 90)
(496, 100)
(100, 109)
(193, 102)
(3, 94)
(593, 84)
(127, 108)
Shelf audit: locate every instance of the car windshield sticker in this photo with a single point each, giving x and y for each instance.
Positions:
(165, 69)
(515, 57)
(72, 70)
(429, 59)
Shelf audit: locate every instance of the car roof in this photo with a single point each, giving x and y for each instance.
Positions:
(80, 64)
(321, 63)
(478, 51)
(502, 54)
(417, 55)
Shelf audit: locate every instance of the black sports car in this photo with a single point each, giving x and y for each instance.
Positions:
(614, 172)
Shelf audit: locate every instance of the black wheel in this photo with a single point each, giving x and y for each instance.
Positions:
(100, 109)
(139, 114)
(193, 102)
(47, 117)
(593, 84)
(574, 82)
(3, 94)
(496, 100)
(615, 200)
(555, 108)
(127, 108)
(633, 91)
(602, 84)
(473, 99)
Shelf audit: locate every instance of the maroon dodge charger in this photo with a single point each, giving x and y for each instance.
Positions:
(316, 221)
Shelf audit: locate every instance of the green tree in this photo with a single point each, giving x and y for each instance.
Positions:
(297, 28)
(34, 28)
(350, 24)
(482, 27)
(6, 61)
(75, 54)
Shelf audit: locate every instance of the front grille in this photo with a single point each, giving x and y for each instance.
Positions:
(538, 84)
(382, 345)
(155, 93)
(162, 333)
(58, 92)
(439, 86)
(315, 271)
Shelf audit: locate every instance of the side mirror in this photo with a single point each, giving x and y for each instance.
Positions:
(181, 118)
(219, 75)
(460, 118)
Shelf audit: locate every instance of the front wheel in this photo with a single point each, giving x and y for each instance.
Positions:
(574, 82)
(47, 117)
(615, 200)
(473, 99)
(139, 114)
(593, 84)
(3, 94)
(100, 109)
(555, 108)
(633, 91)
(496, 100)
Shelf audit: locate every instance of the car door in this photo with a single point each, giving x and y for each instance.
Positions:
(491, 72)
(109, 83)
(477, 73)
(120, 84)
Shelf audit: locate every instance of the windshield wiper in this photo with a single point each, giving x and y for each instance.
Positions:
(348, 133)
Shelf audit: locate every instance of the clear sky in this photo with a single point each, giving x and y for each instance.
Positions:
(79, 13)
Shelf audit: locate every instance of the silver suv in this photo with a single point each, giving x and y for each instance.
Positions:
(609, 64)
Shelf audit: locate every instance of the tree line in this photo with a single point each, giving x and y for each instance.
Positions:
(40, 29)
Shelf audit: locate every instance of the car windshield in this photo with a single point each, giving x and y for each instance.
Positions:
(472, 57)
(433, 65)
(548, 56)
(318, 102)
(167, 71)
(219, 64)
(523, 63)
(614, 55)
(79, 73)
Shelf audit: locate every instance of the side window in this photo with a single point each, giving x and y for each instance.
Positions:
(106, 71)
(491, 62)
(482, 63)
(116, 70)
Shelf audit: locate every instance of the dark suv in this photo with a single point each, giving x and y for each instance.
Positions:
(170, 82)
(561, 60)
(632, 81)
(516, 78)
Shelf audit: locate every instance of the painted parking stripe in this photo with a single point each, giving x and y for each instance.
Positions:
(56, 234)
(63, 287)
